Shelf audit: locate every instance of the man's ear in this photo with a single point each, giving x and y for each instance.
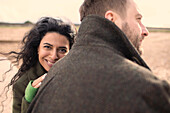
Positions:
(110, 15)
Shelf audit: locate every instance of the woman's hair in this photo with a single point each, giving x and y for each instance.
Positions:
(28, 55)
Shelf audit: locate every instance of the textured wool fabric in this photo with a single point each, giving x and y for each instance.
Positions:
(103, 73)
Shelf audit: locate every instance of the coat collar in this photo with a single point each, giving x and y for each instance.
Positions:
(36, 71)
(99, 30)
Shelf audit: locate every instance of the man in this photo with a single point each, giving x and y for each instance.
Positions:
(103, 73)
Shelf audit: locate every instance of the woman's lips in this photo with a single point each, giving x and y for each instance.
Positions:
(50, 64)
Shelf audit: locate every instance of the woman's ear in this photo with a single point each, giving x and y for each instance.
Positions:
(110, 15)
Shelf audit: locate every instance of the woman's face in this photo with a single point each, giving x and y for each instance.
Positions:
(53, 46)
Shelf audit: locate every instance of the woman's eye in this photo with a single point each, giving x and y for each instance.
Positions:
(63, 50)
(47, 47)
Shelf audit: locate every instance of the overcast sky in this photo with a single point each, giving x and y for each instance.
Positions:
(156, 13)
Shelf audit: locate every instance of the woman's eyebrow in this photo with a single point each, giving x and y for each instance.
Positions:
(48, 44)
(62, 47)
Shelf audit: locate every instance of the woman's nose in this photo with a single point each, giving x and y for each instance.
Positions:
(54, 55)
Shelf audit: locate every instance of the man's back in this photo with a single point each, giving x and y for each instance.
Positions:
(97, 77)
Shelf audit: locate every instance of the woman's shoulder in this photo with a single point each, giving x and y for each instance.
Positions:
(22, 81)
(32, 74)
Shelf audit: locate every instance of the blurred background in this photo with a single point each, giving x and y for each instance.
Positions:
(156, 13)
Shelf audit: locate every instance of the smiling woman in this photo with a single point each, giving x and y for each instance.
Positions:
(47, 42)
(51, 49)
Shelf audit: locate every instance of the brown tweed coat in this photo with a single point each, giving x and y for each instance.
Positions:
(102, 73)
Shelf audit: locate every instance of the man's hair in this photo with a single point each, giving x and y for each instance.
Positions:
(100, 7)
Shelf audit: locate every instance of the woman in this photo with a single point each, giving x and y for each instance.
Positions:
(47, 42)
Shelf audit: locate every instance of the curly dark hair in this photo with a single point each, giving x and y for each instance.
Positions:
(28, 55)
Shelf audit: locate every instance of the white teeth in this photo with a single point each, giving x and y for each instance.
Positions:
(50, 63)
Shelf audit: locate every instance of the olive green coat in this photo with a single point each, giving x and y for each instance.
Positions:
(20, 105)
